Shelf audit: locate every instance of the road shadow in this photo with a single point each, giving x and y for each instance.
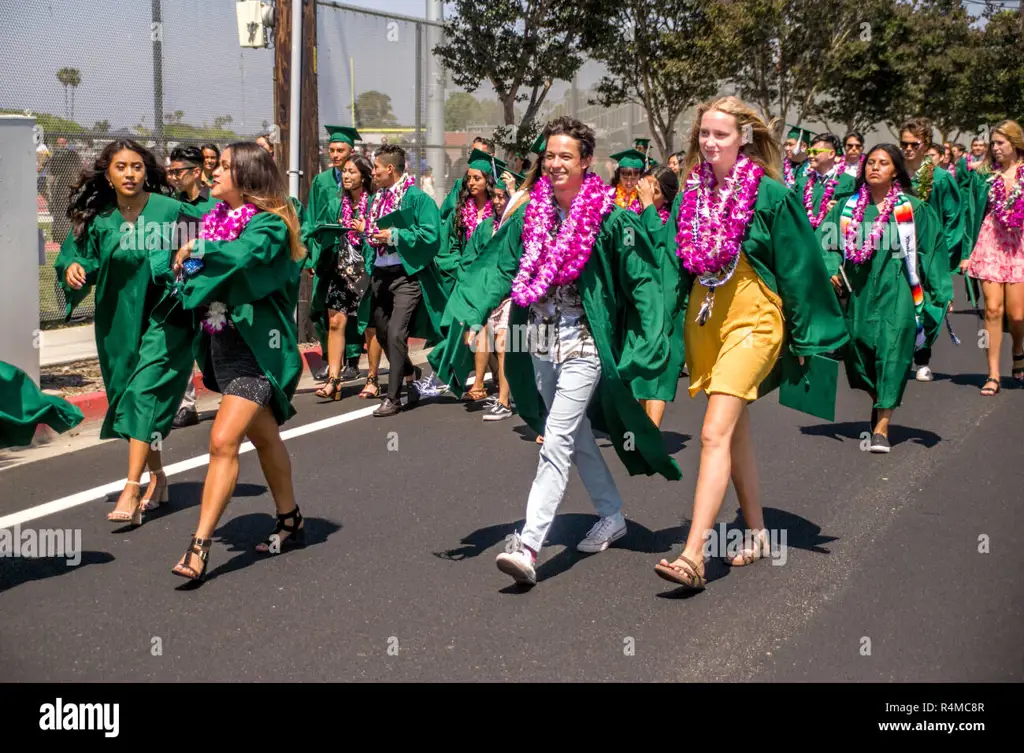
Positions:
(243, 533)
(674, 441)
(566, 532)
(898, 434)
(19, 570)
(183, 496)
(787, 531)
(526, 433)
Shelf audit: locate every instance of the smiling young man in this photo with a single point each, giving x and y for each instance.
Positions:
(405, 296)
(576, 267)
(825, 181)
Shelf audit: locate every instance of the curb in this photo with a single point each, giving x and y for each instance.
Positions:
(94, 404)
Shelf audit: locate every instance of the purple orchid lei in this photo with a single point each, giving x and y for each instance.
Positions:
(558, 260)
(1008, 211)
(346, 215)
(471, 217)
(223, 224)
(385, 202)
(865, 252)
(708, 241)
(664, 213)
(787, 172)
(830, 188)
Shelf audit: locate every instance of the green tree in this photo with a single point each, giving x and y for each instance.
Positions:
(520, 47)
(997, 78)
(462, 110)
(858, 80)
(373, 110)
(659, 58)
(103, 126)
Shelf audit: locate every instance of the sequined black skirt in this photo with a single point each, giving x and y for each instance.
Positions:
(236, 370)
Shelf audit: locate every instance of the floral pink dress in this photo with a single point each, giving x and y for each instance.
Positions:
(998, 255)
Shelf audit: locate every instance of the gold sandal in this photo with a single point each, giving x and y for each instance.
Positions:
(759, 548)
(687, 574)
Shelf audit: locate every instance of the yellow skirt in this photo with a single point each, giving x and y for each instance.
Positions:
(738, 346)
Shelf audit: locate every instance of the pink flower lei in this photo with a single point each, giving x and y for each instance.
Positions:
(471, 217)
(385, 202)
(346, 215)
(831, 181)
(712, 224)
(787, 172)
(1008, 210)
(223, 224)
(558, 260)
(865, 252)
(664, 213)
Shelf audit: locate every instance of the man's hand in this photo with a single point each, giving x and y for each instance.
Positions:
(75, 276)
(382, 237)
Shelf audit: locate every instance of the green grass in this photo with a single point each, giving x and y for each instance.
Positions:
(51, 313)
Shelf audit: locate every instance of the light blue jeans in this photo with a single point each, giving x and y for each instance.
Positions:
(567, 389)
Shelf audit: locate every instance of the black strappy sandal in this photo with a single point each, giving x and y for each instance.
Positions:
(296, 536)
(1018, 368)
(334, 384)
(987, 391)
(201, 549)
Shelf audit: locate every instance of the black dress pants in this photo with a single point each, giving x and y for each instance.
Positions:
(396, 297)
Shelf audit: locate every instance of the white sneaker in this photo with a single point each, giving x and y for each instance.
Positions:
(517, 562)
(924, 374)
(604, 532)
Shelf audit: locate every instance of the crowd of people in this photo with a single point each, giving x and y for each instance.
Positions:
(742, 265)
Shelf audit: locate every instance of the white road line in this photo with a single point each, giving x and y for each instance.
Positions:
(101, 492)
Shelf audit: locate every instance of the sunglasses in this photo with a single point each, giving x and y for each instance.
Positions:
(813, 152)
(910, 144)
(854, 145)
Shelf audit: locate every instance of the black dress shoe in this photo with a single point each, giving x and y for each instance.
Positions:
(185, 417)
(387, 408)
(322, 374)
(349, 373)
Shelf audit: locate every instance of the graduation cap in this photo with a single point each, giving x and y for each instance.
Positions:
(520, 179)
(796, 132)
(539, 144)
(344, 134)
(643, 144)
(631, 158)
(485, 163)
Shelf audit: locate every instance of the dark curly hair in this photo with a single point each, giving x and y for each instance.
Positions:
(365, 170)
(576, 129)
(464, 196)
(92, 193)
(667, 180)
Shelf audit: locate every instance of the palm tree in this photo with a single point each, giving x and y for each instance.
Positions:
(69, 77)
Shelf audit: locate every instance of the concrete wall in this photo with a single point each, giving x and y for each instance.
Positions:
(19, 246)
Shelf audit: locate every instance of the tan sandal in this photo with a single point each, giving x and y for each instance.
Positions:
(687, 574)
(475, 394)
(122, 516)
(153, 499)
(759, 549)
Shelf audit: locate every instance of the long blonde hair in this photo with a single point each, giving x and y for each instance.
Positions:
(1013, 133)
(764, 149)
(260, 182)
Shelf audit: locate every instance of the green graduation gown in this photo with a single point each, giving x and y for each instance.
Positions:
(418, 248)
(452, 361)
(944, 200)
(255, 277)
(23, 407)
(323, 206)
(665, 385)
(843, 189)
(143, 337)
(448, 205)
(880, 313)
(780, 246)
(622, 272)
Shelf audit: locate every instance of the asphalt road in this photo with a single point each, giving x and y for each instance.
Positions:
(900, 567)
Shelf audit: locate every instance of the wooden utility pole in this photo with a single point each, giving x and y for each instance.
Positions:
(309, 151)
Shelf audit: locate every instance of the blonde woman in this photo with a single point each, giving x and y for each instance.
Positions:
(758, 289)
(997, 259)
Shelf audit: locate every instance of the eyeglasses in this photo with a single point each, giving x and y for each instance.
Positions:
(854, 145)
(910, 144)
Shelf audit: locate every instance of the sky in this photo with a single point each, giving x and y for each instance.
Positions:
(205, 71)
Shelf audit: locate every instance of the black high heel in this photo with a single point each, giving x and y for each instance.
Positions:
(200, 548)
(335, 395)
(296, 536)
